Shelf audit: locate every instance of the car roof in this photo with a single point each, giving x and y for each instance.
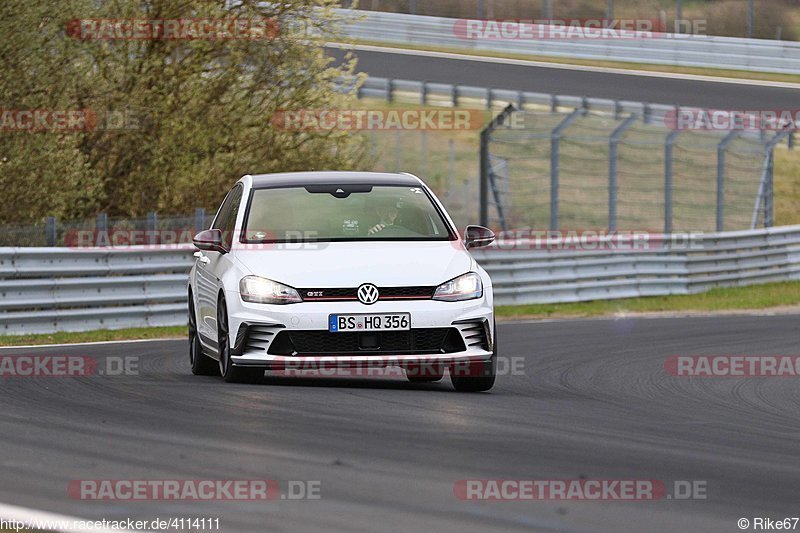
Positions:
(286, 179)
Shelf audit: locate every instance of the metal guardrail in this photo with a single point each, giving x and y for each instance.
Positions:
(761, 55)
(66, 289)
(662, 267)
(426, 93)
(61, 289)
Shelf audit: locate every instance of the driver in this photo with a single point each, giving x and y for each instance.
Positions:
(387, 214)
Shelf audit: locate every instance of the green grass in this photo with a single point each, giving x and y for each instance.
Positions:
(64, 337)
(754, 297)
(787, 186)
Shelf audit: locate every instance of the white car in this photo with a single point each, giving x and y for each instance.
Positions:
(342, 269)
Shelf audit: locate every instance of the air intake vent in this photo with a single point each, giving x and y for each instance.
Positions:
(475, 334)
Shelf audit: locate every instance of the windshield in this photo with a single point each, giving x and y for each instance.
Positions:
(343, 213)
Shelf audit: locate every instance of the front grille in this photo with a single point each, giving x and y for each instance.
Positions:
(414, 341)
(386, 293)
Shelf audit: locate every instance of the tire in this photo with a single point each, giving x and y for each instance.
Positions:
(479, 376)
(202, 365)
(229, 372)
(424, 373)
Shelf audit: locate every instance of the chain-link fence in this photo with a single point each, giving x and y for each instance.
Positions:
(582, 163)
(107, 231)
(577, 168)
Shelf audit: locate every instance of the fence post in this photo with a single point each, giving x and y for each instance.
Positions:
(668, 144)
(770, 189)
(765, 191)
(721, 147)
(199, 219)
(152, 222)
(485, 138)
(50, 231)
(101, 227)
(555, 141)
(397, 154)
(424, 153)
(613, 143)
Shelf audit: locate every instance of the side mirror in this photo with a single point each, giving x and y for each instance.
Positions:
(210, 239)
(478, 236)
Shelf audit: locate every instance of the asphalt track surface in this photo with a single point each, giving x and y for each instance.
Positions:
(592, 401)
(553, 80)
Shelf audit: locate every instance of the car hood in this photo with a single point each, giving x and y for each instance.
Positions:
(349, 264)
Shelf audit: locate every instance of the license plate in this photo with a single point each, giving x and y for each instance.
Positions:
(376, 322)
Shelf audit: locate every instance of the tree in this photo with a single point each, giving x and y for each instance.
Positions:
(170, 122)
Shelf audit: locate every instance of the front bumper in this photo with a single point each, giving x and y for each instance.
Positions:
(254, 327)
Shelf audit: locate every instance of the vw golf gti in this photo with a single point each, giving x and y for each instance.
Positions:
(343, 270)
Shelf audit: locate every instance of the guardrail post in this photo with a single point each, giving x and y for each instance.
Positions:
(199, 219)
(520, 100)
(101, 227)
(389, 90)
(555, 141)
(50, 231)
(489, 98)
(721, 147)
(485, 139)
(454, 95)
(423, 93)
(613, 143)
(152, 222)
(668, 144)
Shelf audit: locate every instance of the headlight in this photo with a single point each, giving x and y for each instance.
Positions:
(265, 291)
(466, 287)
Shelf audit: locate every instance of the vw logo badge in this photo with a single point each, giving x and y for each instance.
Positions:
(368, 294)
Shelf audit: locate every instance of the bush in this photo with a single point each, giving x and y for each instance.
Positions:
(196, 113)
